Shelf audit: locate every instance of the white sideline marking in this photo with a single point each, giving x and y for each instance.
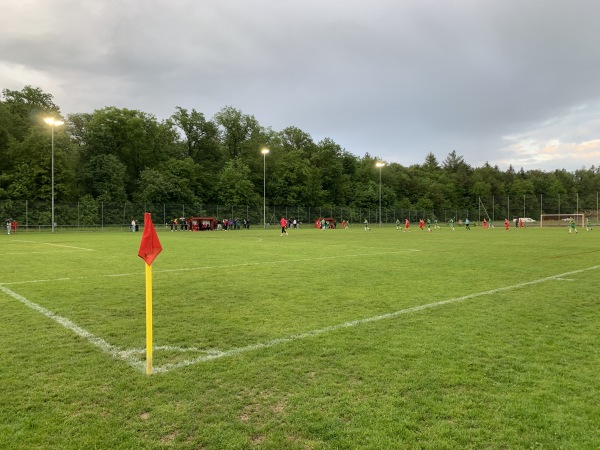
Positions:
(353, 323)
(226, 266)
(128, 355)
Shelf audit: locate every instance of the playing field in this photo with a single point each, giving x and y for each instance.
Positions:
(335, 339)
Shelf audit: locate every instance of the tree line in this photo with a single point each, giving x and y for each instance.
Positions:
(120, 155)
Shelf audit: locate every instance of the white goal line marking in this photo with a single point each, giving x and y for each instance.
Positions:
(225, 266)
(128, 355)
(112, 350)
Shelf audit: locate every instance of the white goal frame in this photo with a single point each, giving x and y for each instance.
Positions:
(558, 220)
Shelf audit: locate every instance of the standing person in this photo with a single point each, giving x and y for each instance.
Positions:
(572, 225)
(484, 223)
(520, 222)
(588, 227)
(344, 224)
(397, 224)
(428, 224)
(421, 224)
(283, 224)
(506, 224)
(8, 226)
(367, 225)
(132, 225)
(435, 225)
(451, 223)
(406, 225)
(467, 226)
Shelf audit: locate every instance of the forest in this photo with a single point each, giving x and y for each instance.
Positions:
(120, 156)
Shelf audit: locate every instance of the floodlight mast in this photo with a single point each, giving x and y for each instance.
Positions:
(380, 165)
(265, 152)
(53, 124)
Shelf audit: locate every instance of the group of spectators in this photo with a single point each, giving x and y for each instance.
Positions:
(181, 224)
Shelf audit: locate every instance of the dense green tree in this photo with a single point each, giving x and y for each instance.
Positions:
(104, 178)
(27, 108)
(234, 186)
(335, 184)
(173, 181)
(239, 130)
(137, 139)
(201, 141)
(293, 181)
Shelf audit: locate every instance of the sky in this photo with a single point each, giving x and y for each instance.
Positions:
(508, 82)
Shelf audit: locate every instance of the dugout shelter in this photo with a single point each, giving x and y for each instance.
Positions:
(330, 222)
(201, 223)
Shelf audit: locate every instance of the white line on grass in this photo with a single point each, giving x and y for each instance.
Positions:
(113, 351)
(226, 266)
(353, 323)
(41, 253)
(70, 246)
(55, 245)
(129, 355)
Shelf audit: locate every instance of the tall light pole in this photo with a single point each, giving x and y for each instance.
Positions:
(264, 152)
(53, 123)
(379, 164)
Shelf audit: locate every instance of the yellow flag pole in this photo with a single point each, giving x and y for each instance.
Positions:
(148, 319)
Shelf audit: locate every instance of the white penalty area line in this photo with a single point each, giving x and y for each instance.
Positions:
(129, 355)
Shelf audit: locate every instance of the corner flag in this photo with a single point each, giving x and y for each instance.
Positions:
(150, 246)
(149, 249)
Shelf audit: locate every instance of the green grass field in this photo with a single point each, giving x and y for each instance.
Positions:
(323, 339)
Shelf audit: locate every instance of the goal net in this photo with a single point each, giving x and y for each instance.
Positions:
(557, 220)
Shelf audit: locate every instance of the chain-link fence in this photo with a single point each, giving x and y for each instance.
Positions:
(94, 215)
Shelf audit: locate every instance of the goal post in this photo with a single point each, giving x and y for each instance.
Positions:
(557, 220)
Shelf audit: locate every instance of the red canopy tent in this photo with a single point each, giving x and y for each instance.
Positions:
(330, 222)
(201, 223)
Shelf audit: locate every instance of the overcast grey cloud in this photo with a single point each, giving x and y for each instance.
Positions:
(507, 82)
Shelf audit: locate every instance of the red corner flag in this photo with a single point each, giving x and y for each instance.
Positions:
(150, 246)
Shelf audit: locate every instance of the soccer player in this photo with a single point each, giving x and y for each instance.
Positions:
(421, 224)
(397, 224)
(506, 224)
(406, 225)
(467, 224)
(451, 223)
(367, 225)
(588, 227)
(484, 224)
(572, 225)
(283, 224)
(428, 224)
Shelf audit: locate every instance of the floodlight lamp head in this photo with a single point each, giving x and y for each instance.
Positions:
(265, 151)
(379, 164)
(53, 122)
